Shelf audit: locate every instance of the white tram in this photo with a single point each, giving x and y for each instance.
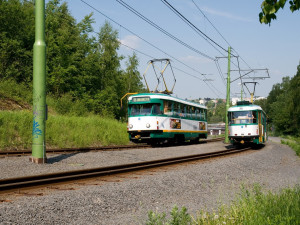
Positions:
(156, 118)
(247, 123)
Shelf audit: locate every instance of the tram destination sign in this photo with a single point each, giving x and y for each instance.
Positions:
(141, 99)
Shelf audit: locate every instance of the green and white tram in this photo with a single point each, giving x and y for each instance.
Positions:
(156, 118)
(247, 123)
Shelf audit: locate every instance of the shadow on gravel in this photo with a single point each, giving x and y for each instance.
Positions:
(58, 158)
(241, 146)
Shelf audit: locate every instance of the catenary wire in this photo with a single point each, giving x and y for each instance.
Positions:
(220, 35)
(152, 45)
(190, 24)
(168, 34)
(213, 87)
(163, 30)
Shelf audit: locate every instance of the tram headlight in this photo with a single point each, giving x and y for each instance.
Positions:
(130, 126)
(148, 125)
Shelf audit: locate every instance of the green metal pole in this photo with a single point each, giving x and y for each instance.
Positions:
(242, 92)
(227, 98)
(39, 86)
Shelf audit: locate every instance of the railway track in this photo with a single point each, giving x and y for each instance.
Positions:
(72, 150)
(56, 178)
(87, 149)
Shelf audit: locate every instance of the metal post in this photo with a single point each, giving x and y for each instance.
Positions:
(39, 86)
(242, 92)
(227, 98)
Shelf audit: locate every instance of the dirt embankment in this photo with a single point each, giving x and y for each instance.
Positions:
(7, 103)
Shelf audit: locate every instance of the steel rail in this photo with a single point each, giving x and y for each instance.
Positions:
(88, 149)
(68, 150)
(37, 180)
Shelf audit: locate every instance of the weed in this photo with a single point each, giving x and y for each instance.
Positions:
(252, 207)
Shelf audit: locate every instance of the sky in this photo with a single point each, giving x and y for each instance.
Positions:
(201, 68)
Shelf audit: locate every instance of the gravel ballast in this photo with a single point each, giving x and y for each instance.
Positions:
(199, 185)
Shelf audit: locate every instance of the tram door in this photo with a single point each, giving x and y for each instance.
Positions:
(259, 127)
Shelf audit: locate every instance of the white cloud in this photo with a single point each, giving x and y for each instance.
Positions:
(131, 41)
(225, 14)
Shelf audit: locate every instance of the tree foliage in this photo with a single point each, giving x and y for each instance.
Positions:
(216, 111)
(16, 40)
(271, 7)
(81, 65)
(282, 105)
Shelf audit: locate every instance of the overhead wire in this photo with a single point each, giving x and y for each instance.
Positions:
(169, 35)
(240, 74)
(163, 30)
(220, 72)
(211, 23)
(190, 24)
(153, 47)
(151, 57)
(173, 67)
(238, 66)
(202, 34)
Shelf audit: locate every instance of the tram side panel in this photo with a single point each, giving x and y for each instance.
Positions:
(145, 128)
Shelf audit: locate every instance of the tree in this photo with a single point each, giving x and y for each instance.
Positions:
(271, 7)
(16, 40)
(132, 77)
(80, 67)
(63, 49)
(283, 106)
(295, 105)
(132, 80)
(108, 83)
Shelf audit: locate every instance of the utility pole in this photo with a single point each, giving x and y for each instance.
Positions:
(227, 98)
(242, 92)
(39, 86)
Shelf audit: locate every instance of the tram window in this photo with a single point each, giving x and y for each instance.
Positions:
(254, 117)
(141, 109)
(176, 109)
(156, 109)
(197, 114)
(201, 114)
(243, 117)
(167, 108)
(181, 110)
(188, 111)
(193, 113)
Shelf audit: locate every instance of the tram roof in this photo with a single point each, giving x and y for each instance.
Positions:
(244, 108)
(166, 97)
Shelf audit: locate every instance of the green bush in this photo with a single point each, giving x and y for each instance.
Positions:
(66, 105)
(176, 217)
(17, 91)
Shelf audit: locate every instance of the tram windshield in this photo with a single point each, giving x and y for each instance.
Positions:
(145, 109)
(242, 117)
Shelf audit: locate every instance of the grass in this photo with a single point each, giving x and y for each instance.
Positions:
(251, 208)
(61, 131)
(70, 124)
(15, 129)
(293, 142)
